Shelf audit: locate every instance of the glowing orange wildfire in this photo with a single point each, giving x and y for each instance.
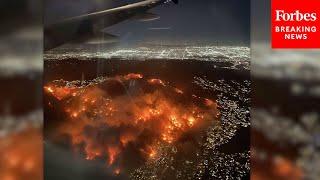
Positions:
(133, 76)
(141, 120)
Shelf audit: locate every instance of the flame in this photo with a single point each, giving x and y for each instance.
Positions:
(150, 151)
(179, 91)
(117, 171)
(156, 82)
(142, 120)
(49, 89)
(113, 152)
(127, 138)
(191, 121)
(153, 153)
(133, 76)
(60, 92)
(92, 153)
(209, 102)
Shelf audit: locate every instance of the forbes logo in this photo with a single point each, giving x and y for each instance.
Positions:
(281, 15)
(295, 23)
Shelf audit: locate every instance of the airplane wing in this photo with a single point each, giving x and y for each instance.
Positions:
(76, 27)
(72, 28)
(118, 12)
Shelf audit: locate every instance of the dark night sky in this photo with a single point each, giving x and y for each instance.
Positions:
(196, 21)
(208, 21)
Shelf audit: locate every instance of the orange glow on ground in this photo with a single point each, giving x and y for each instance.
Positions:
(142, 120)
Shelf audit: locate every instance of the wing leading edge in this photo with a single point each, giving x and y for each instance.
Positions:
(71, 29)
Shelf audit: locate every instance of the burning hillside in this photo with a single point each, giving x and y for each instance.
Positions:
(111, 119)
